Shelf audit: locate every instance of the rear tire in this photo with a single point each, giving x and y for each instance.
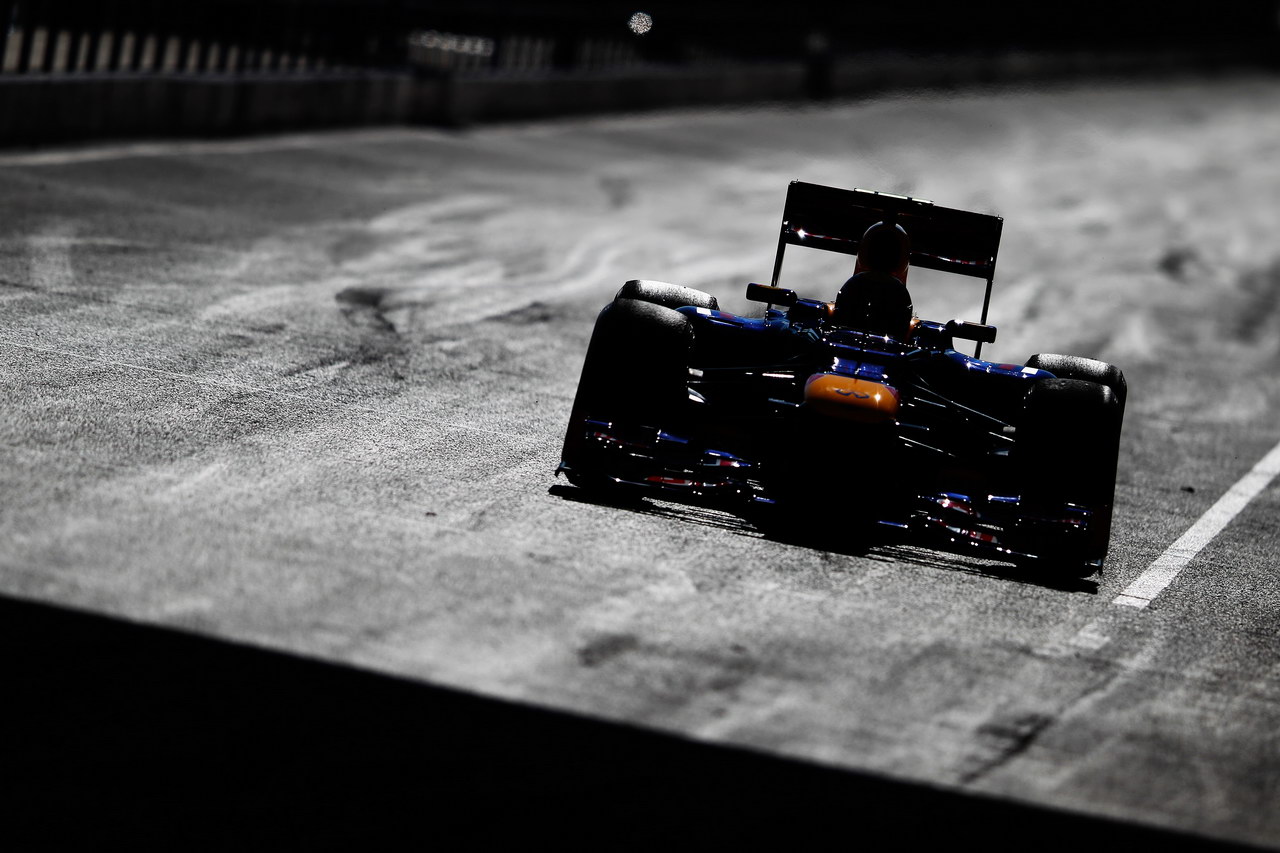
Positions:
(1086, 369)
(636, 372)
(1067, 450)
(667, 295)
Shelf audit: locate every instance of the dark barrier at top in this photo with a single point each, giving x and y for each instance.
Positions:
(79, 36)
(82, 69)
(500, 36)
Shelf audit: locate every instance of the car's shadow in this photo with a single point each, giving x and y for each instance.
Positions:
(689, 513)
(882, 545)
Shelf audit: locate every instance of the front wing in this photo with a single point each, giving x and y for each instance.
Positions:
(649, 461)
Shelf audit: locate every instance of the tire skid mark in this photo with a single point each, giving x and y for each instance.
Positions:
(258, 389)
(1014, 731)
(1010, 738)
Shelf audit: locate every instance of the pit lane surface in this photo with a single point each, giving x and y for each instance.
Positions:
(308, 393)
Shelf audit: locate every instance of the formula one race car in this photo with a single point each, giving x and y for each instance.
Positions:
(821, 415)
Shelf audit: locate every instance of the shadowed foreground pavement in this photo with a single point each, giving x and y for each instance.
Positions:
(119, 731)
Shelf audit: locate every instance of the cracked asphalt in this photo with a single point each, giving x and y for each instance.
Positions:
(308, 392)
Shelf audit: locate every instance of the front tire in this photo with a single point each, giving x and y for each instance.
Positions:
(635, 373)
(1067, 452)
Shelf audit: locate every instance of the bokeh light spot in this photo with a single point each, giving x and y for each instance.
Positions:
(640, 23)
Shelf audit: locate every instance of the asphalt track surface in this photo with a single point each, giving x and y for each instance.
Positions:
(307, 393)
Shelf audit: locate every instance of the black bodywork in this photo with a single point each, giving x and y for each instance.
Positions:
(798, 423)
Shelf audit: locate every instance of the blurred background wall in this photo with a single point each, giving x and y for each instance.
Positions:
(77, 69)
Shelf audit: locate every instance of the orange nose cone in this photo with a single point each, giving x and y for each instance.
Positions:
(851, 399)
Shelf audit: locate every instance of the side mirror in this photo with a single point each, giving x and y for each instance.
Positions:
(966, 331)
(772, 295)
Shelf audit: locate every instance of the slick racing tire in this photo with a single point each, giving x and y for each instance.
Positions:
(667, 295)
(1087, 369)
(1067, 448)
(635, 374)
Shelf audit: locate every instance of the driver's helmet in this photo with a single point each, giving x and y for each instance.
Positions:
(884, 247)
(876, 298)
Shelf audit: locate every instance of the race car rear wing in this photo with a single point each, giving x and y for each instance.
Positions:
(942, 238)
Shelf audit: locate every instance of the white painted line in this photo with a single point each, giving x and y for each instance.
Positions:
(1161, 573)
